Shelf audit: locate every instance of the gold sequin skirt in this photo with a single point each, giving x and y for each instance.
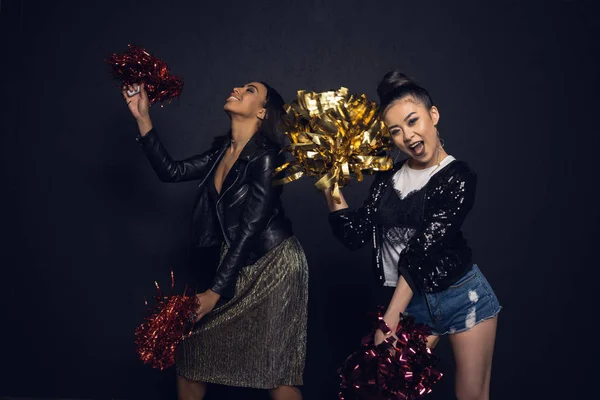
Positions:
(258, 338)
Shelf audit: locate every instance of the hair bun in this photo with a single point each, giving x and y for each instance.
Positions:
(392, 81)
(395, 86)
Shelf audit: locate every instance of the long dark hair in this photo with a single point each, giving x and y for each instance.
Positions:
(270, 128)
(395, 86)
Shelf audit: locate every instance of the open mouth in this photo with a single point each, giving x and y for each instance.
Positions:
(417, 148)
(232, 98)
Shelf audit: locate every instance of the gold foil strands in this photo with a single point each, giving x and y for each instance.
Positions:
(334, 135)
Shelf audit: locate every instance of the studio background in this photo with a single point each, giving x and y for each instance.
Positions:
(88, 227)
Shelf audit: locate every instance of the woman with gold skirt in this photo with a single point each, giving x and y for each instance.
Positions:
(251, 329)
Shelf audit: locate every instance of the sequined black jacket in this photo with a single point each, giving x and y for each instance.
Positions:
(248, 215)
(437, 255)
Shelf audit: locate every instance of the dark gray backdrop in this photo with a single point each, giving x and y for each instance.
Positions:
(88, 227)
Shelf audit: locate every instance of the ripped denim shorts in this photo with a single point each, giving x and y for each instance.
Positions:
(459, 308)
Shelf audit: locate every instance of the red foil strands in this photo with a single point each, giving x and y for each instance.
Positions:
(167, 324)
(137, 66)
(401, 371)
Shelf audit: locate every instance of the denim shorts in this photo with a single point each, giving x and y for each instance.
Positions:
(463, 305)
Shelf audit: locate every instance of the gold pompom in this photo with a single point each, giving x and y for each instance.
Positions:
(334, 135)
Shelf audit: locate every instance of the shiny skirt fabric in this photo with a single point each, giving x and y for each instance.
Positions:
(258, 338)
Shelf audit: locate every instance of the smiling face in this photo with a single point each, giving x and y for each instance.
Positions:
(247, 101)
(413, 130)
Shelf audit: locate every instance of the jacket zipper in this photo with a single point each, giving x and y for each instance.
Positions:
(217, 208)
(219, 215)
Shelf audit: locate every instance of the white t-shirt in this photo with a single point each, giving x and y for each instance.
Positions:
(406, 181)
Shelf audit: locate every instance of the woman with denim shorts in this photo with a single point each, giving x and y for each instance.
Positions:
(413, 216)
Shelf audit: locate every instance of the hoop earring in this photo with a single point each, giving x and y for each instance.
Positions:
(440, 139)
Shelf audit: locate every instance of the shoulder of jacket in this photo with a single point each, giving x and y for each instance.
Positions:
(459, 165)
(455, 173)
(457, 168)
(265, 150)
(465, 171)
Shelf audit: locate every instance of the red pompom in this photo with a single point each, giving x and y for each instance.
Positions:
(138, 66)
(401, 371)
(167, 324)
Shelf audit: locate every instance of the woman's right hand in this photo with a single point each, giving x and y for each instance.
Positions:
(139, 106)
(380, 337)
(333, 206)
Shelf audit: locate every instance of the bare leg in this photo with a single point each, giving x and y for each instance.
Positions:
(190, 390)
(473, 351)
(432, 341)
(285, 393)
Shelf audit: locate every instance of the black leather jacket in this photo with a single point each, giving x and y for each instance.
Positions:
(248, 216)
(437, 255)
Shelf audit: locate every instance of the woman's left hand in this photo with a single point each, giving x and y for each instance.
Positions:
(207, 301)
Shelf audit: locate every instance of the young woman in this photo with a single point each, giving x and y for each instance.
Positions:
(414, 215)
(252, 320)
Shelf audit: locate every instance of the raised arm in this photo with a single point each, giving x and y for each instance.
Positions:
(167, 169)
